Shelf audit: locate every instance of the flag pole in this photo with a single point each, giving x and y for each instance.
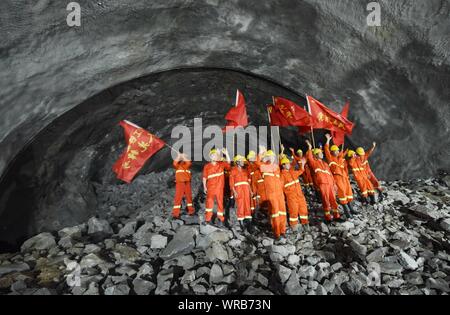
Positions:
(278, 127)
(312, 130)
(270, 126)
(170, 147)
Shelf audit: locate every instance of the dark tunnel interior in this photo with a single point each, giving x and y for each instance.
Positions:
(50, 184)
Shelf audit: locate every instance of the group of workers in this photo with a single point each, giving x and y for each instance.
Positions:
(271, 183)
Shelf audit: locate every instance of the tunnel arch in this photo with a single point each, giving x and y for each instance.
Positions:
(49, 185)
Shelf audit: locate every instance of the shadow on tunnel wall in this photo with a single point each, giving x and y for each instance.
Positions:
(50, 184)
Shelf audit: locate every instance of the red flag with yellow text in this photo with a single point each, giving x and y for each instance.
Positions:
(325, 118)
(276, 117)
(338, 136)
(237, 115)
(294, 114)
(141, 145)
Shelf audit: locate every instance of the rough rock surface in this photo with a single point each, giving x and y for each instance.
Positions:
(59, 89)
(387, 249)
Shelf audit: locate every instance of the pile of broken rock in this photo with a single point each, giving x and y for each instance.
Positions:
(399, 246)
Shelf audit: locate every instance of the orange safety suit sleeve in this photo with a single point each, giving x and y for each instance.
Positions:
(327, 152)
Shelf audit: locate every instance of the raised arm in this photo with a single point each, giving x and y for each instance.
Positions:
(369, 153)
(327, 148)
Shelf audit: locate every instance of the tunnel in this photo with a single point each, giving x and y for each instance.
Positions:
(164, 63)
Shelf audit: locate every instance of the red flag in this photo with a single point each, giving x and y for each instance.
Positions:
(276, 117)
(237, 115)
(325, 118)
(141, 146)
(293, 113)
(338, 137)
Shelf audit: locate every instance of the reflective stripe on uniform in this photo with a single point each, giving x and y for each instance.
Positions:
(241, 183)
(292, 183)
(183, 171)
(260, 180)
(176, 207)
(343, 199)
(251, 173)
(293, 219)
(189, 204)
(215, 175)
(275, 215)
(248, 217)
(322, 171)
(241, 219)
(220, 214)
(304, 217)
(208, 210)
(281, 213)
(270, 174)
(357, 169)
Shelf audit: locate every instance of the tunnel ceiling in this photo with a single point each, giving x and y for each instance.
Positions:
(396, 77)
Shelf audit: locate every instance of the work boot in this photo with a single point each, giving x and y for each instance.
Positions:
(306, 227)
(347, 212)
(242, 225)
(352, 210)
(220, 224)
(372, 199)
(249, 226)
(380, 196)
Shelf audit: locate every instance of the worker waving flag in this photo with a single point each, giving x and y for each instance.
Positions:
(141, 146)
(237, 115)
(325, 118)
(338, 136)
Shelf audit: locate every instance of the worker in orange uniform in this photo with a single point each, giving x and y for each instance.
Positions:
(240, 186)
(268, 165)
(375, 183)
(259, 198)
(182, 166)
(337, 164)
(306, 176)
(213, 184)
(355, 163)
(325, 182)
(295, 199)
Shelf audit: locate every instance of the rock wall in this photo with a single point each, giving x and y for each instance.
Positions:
(396, 76)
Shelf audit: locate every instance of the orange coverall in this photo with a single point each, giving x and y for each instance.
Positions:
(338, 169)
(215, 181)
(275, 196)
(361, 176)
(306, 176)
(325, 183)
(182, 187)
(258, 188)
(372, 178)
(294, 196)
(240, 181)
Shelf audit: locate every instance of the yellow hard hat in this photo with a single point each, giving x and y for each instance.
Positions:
(269, 153)
(251, 154)
(316, 151)
(285, 161)
(239, 158)
(334, 148)
(299, 151)
(360, 151)
(213, 151)
(350, 153)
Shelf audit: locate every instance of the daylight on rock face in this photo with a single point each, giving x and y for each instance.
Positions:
(214, 147)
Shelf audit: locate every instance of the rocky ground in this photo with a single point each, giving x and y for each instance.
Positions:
(399, 246)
